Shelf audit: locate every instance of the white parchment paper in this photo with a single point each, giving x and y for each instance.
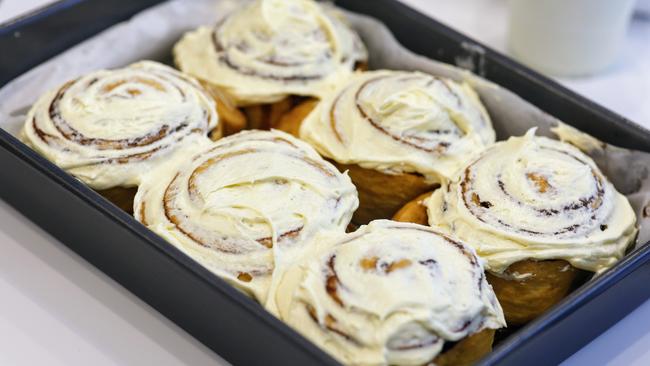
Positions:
(152, 33)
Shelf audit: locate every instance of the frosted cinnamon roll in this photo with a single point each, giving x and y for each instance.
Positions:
(246, 204)
(392, 294)
(537, 210)
(109, 127)
(270, 56)
(399, 134)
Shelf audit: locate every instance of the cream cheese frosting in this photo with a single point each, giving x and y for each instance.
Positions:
(401, 122)
(109, 127)
(246, 204)
(389, 293)
(535, 198)
(270, 49)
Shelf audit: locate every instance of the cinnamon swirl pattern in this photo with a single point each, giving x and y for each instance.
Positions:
(109, 127)
(246, 204)
(401, 122)
(388, 294)
(270, 49)
(536, 198)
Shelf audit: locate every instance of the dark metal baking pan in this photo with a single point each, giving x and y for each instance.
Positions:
(209, 309)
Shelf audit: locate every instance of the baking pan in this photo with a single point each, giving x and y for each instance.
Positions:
(228, 322)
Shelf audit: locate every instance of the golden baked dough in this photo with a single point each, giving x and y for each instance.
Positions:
(121, 197)
(255, 117)
(544, 284)
(468, 351)
(278, 109)
(285, 115)
(231, 118)
(291, 121)
(415, 211)
(381, 195)
(361, 66)
(266, 116)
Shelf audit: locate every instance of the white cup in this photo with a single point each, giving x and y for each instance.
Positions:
(568, 37)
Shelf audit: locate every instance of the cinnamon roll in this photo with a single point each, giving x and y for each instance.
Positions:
(538, 211)
(392, 294)
(399, 134)
(246, 204)
(109, 127)
(269, 55)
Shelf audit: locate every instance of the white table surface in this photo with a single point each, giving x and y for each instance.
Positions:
(56, 309)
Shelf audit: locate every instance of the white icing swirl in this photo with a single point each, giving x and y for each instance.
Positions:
(270, 49)
(246, 204)
(536, 198)
(401, 122)
(389, 293)
(109, 127)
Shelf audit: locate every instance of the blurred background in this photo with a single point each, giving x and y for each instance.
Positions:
(622, 85)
